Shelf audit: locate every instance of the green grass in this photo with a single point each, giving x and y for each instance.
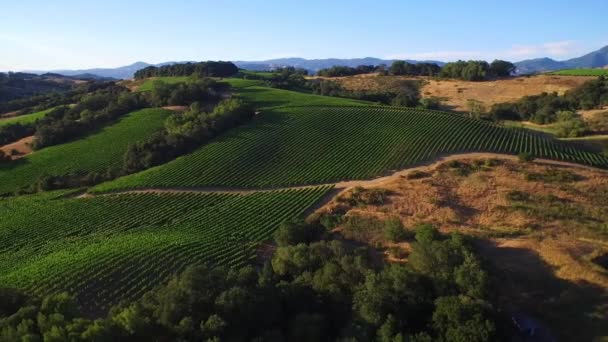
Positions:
(316, 144)
(147, 84)
(96, 152)
(581, 72)
(24, 119)
(549, 128)
(111, 248)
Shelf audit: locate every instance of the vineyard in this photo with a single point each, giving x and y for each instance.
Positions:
(322, 144)
(96, 152)
(24, 119)
(111, 248)
(581, 72)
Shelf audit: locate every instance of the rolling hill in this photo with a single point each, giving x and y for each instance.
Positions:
(595, 59)
(95, 153)
(335, 139)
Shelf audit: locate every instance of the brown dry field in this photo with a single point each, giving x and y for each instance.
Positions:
(23, 146)
(541, 265)
(455, 93)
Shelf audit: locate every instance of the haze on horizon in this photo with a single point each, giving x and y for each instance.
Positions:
(68, 34)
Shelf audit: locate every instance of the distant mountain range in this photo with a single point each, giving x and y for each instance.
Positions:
(594, 59)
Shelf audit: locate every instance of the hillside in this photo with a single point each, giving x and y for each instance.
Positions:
(113, 248)
(95, 153)
(540, 226)
(454, 94)
(335, 139)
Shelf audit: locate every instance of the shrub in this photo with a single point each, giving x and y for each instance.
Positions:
(295, 232)
(394, 231)
(525, 157)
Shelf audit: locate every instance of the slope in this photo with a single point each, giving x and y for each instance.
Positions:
(96, 152)
(304, 139)
(111, 248)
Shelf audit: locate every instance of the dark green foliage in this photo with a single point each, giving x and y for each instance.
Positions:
(295, 232)
(184, 93)
(14, 132)
(185, 132)
(405, 94)
(399, 68)
(394, 231)
(477, 70)
(322, 291)
(201, 69)
(288, 78)
(462, 319)
(17, 85)
(544, 108)
(525, 157)
(340, 71)
(66, 123)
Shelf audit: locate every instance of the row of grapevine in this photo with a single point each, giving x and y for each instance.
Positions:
(110, 248)
(322, 144)
(97, 152)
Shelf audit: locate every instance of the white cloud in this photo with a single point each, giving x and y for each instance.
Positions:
(560, 50)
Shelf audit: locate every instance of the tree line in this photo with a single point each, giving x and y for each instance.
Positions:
(201, 69)
(464, 70)
(544, 108)
(315, 287)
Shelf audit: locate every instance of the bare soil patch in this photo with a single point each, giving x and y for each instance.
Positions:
(22, 147)
(176, 108)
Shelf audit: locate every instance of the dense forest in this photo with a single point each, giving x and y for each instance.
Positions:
(201, 69)
(316, 287)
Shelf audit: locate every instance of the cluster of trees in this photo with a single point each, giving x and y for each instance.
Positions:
(201, 69)
(340, 71)
(399, 68)
(65, 123)
(405, 93)
(14, 132)
(544, 108)
(186, 131)
(16, 85)
(95, 109)
(41, 102)
(477, 70)
(313, 289)
(289, 78)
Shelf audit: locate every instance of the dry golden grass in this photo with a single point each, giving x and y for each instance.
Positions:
(541, 264)
(22, 146)
(456, 93)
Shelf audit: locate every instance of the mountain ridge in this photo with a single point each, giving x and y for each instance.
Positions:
(594, 59)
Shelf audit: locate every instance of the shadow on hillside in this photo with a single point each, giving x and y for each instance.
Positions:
(527, 285)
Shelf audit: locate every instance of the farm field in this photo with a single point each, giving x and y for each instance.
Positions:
(111, 248)
(581, 72)
(335, 141)
(95, 152)
(24, 119)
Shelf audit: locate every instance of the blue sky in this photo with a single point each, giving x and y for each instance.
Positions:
(83, 34)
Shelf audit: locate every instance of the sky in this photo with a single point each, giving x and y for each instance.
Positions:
(63, 34)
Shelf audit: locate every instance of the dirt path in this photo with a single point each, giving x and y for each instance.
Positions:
(345, 185)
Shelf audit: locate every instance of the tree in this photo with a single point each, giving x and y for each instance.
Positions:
(394, 231)
(500, 68)
(460, 319)
(295, 232)
(476, 109)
